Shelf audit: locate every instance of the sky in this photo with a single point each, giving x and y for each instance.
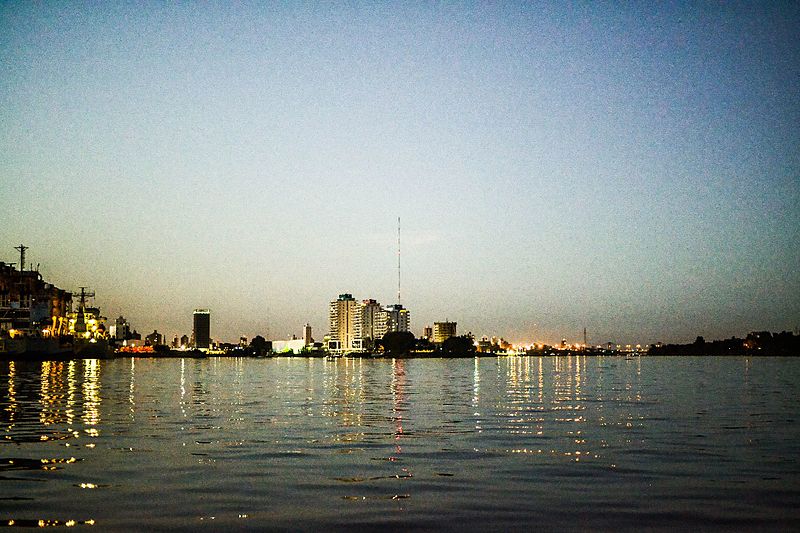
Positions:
(632, 170)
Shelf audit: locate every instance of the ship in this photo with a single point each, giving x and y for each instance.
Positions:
(37, 320)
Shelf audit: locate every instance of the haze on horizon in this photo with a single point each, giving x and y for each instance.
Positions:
(632, 171)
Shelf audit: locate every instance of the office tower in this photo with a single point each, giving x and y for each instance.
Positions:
(341, 318)
(307, 340)
(201, 333)
(443, 331)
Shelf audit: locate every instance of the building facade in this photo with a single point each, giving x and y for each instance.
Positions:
(443, 331)
(355, 326)
(342, 323)
(366, 323)
(122, 330)
(392, 318)
(201, 332)
(154, 339)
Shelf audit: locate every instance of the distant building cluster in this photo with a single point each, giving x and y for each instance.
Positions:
(354, 325)
(36, 316)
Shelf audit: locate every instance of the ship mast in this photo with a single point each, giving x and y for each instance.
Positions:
(21, 249)
(80, 321)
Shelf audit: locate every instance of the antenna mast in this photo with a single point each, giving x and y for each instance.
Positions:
(398, 259)
(21, 249)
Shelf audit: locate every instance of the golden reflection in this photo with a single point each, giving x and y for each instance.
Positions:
(11, 407)
(47, 523)
(91, 395)
(51, 394)
(476, 393)
(540, 382)
(343, 383)
(544, 398)
(132, 390)
(183, 388)
(398, 401)
(72, 387)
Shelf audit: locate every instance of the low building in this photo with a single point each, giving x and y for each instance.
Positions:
(443, 331)
(154, 339)
(294, 346)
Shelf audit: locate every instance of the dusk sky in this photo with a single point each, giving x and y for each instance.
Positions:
(556, 166)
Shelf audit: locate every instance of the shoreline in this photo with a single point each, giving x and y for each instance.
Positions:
(39, 357)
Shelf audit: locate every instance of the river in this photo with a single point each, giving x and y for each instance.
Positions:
(554, 443)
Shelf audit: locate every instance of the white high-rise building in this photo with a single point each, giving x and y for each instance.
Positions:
(367, 314)
(355, 325)
(341, 318)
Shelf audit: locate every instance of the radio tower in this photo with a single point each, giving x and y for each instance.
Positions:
(398, 259)
(22, 249)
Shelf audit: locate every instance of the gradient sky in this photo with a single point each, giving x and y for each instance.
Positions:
(556, 166)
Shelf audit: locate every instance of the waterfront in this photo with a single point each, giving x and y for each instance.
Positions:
(566, 443)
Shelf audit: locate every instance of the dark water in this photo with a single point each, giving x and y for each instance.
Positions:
(569, 443)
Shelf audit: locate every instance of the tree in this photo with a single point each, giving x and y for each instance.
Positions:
(458, 346)
(259, 345)
(398, 342)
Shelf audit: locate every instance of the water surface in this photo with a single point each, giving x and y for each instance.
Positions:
(567, 443)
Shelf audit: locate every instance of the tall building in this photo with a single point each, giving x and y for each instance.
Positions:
(342, 323)
(353, 325)
(307, 339)
(366, 322)
(201, 333)
(392, 318)
(443, 331)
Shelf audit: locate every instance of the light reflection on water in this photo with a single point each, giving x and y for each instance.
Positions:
(291, 443)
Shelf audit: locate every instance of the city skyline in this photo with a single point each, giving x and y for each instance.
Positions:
(633, 172)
